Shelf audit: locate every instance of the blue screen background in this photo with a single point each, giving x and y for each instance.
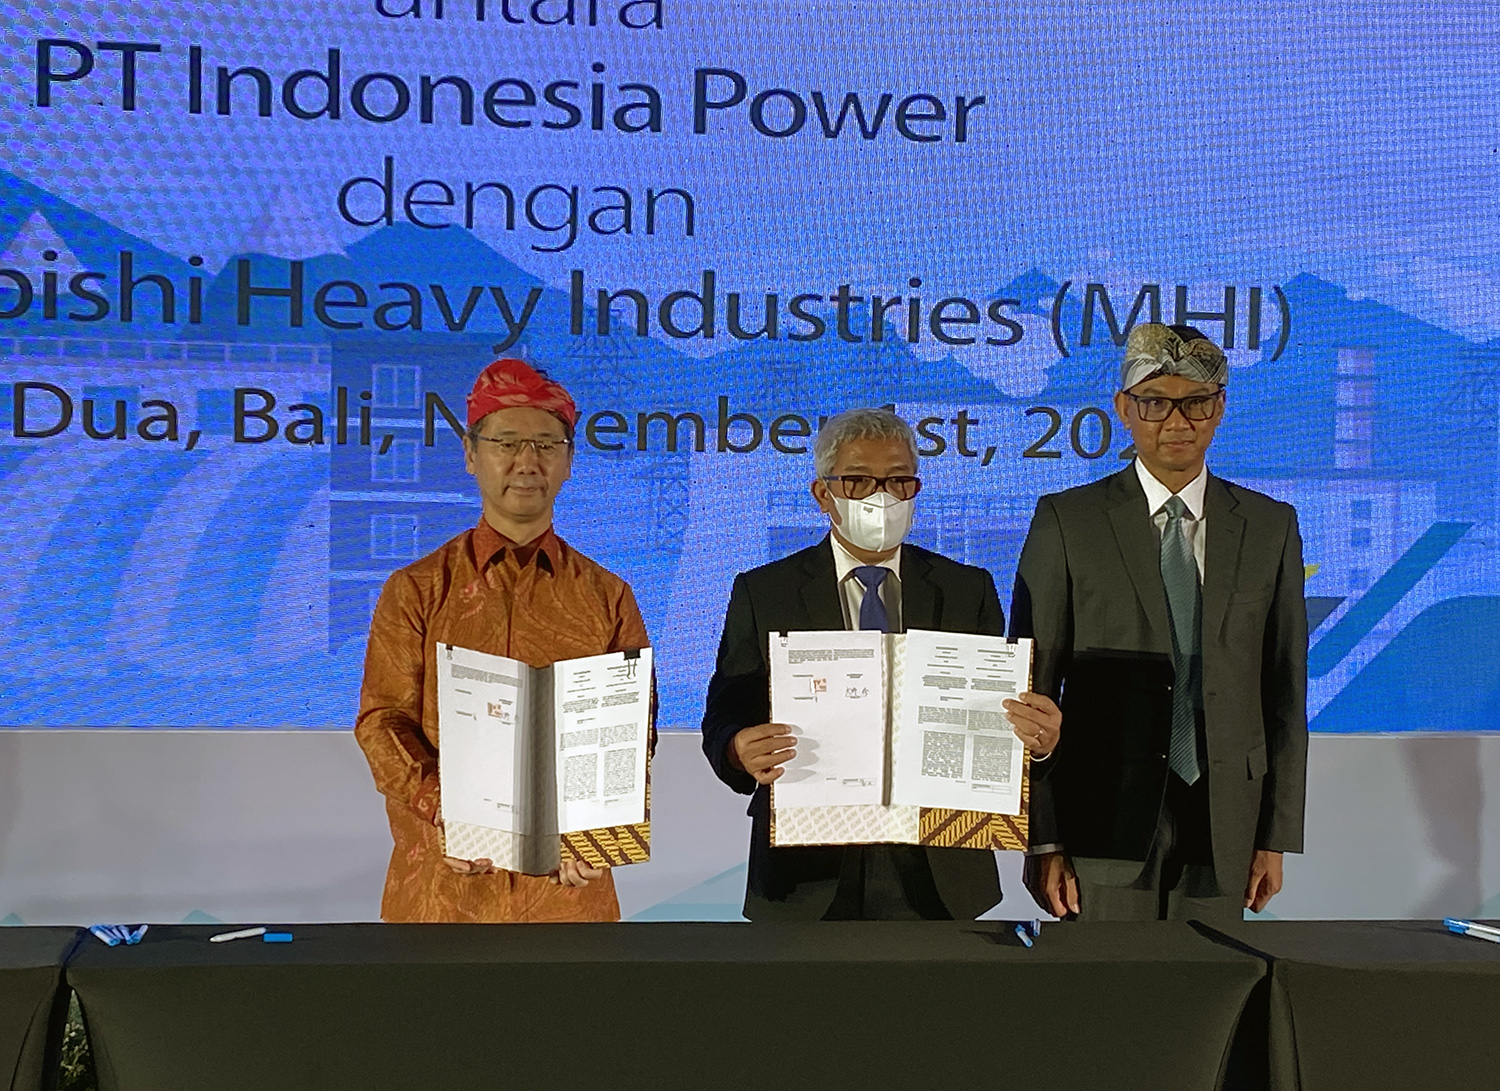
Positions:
(1332, 166)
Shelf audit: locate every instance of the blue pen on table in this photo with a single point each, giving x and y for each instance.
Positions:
(1473, 929)
(115, 934)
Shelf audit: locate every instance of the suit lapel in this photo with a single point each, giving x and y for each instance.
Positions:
(1139, 548)
(920, 603)
(820, 589)
(1221, 553)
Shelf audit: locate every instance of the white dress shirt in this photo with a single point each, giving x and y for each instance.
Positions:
(1193, 519)
(852, 592)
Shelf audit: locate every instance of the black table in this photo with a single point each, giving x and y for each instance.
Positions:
(665, 1006)
(33, 1003)
(1376, 1005)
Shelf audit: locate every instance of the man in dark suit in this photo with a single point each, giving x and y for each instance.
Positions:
(1167, 610)
(860, 577)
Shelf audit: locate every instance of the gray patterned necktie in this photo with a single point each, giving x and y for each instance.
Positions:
(1179, 573)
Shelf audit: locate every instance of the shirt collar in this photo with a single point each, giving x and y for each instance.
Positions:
(1158, 494)
(490, 544)
(845, 562)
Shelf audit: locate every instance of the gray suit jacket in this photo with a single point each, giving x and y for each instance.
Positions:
(1089, 591)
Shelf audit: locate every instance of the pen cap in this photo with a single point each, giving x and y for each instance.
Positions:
(276, 937)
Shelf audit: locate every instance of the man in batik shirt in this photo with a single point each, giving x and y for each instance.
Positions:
(509, 587)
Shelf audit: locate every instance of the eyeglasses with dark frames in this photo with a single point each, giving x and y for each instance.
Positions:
(863, 486)
(1155, 408)
(542, 448)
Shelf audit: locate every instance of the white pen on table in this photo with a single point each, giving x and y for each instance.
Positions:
(1473, 929)
(243, 933)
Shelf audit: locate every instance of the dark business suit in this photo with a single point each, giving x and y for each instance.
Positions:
(797, 594)
(1089, 590)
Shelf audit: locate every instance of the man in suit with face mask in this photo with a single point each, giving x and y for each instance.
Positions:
(861, 576)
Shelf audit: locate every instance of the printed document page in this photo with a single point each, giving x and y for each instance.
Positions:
(952, 744)
(829, 688)
(483, 723)
(603, 717)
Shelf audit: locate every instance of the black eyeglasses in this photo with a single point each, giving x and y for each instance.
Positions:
(543, 448)
(862, 486)
(1155, 409)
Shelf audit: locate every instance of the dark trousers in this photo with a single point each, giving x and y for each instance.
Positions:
(1175, 882)
(886, 883)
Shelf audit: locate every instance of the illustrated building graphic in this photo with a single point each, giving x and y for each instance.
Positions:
(232, 583)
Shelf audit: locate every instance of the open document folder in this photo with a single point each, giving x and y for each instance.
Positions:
(536, 762)
(900, 738)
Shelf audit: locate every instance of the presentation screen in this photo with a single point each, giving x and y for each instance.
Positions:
(253, 255)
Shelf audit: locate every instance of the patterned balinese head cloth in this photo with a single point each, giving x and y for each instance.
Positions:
(507, 384)
(1154, 349)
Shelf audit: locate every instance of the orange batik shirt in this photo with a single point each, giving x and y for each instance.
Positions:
(537, 603)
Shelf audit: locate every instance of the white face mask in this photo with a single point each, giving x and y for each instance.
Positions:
(877, 523)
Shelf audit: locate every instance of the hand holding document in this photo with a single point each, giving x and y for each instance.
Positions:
(526, 755)
(892, 728)
(763, 751)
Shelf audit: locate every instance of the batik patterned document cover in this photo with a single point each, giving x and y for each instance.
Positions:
(940, 827)
(612, 846)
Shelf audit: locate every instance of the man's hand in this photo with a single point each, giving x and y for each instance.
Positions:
(762, 750)
(1052, 883)
(464, 867)
(573, 873)
(470, 867)
(1036, 720)
(1265, 879)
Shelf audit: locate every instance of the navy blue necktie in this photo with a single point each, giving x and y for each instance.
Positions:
(872, 613)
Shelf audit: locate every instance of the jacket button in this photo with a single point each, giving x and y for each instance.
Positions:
(1161, 757)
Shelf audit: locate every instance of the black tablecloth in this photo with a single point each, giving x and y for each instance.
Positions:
(1376, 1005)
(33, 1003)
(661, 1006)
